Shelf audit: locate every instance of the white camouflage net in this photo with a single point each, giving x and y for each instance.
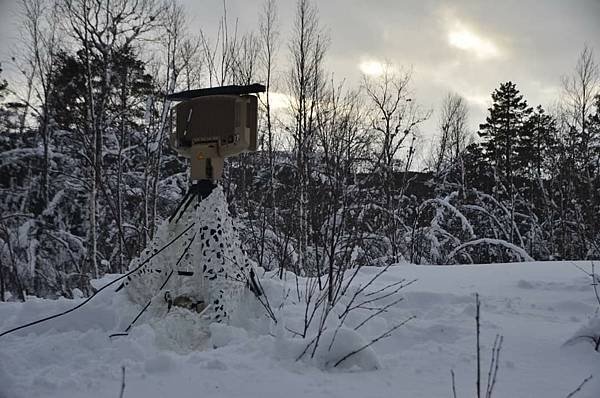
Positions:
(197, 280)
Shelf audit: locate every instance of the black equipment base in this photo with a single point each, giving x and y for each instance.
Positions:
(200, 190)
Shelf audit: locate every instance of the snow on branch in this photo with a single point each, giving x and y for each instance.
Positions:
(465, 224)
(496, 242)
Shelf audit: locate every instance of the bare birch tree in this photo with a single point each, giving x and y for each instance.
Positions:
(453, 135)
(579, 141)
(103, 28)
(40, 43)
(306, 86)
(267, 43)
(394, 121)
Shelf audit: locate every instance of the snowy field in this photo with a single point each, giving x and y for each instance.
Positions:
(537, 307)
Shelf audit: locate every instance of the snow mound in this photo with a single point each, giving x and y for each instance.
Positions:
(222, 335)
(251, 356)
(180, 330)
(589, 332)
(347, 351)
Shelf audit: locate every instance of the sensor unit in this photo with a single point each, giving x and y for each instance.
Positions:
(211, 124)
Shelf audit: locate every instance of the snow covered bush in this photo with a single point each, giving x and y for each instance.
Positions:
(344, 349)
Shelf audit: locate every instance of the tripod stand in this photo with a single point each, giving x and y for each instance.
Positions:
(200, 190)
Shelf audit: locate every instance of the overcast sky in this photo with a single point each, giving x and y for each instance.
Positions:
(468, 47)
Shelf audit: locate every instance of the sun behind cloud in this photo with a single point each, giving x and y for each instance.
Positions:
(464, 38)
(277, 99)
(372, 67)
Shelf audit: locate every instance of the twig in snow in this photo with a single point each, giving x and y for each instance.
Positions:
(350, 307)
(493, 371)
(265, 303)
(122, 381)
(575, 391)
(373, 300)
(478, 328)
(138, 316)
(379, 311)
(594, 339)
(595, 279)
(294, 332)
(388, 333)
(308, 345)
(257, 289)
(453, 384)
(400, 282)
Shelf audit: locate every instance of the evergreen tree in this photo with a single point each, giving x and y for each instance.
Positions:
(5, 113)
(537, 139)
(128, 80)
(503, 128)
(594, 126)
(594, 167)
(478, 173)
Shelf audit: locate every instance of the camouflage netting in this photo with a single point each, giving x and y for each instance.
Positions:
(199, 279)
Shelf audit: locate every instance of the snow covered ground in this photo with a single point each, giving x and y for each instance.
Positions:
(537, 307)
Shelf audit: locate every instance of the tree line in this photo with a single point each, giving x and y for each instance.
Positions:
(87, 173)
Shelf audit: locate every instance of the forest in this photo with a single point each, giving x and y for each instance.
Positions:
(342, 176)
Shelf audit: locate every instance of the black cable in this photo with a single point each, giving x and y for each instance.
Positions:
(99, 290)
(185, 251)
(138, 317)
(166, 280)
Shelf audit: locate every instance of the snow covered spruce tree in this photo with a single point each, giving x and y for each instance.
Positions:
(503, 130)
(490, 203)
(511, 144)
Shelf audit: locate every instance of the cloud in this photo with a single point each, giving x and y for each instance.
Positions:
(466, 39)
(278, 100)
(374, 68)
(371, 68)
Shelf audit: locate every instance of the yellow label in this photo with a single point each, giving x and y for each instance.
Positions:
(199, 156)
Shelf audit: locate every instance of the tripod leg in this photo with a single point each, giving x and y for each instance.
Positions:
(181, 203)
(201, 189)
(189, 201)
